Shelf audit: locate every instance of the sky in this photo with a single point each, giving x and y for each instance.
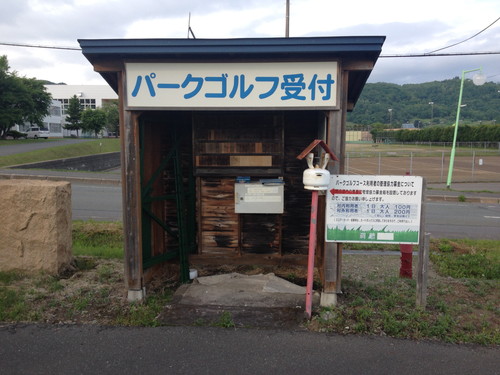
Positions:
(410, 27)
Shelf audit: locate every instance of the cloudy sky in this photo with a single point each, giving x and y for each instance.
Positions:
(415, 27)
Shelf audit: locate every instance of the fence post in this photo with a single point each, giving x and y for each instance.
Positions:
(442, 165)
(473, 163)
(347, 163)
(411, 163)
(379, 161)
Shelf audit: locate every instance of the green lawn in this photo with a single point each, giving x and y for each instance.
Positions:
(92, 147)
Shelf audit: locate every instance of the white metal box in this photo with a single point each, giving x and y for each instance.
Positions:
(258, 198)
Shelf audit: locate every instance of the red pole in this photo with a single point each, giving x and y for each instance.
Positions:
(312, 248)
(405, 270)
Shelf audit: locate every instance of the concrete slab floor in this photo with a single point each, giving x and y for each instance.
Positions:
(236, 300)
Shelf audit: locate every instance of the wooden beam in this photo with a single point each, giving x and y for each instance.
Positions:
(358, 65)
(131, 198)
(248, 259)
(111, 65)
(332, 267)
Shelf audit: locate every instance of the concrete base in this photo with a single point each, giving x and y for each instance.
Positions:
(328, 299)
(249, 301)
(134, 295)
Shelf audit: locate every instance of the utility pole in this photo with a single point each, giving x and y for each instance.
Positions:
(287, 27)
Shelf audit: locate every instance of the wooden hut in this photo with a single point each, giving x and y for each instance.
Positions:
(210, 132)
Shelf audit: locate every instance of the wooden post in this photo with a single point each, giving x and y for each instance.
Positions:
(131, 198)
(423, 255)
(333, 251)
(422, 274)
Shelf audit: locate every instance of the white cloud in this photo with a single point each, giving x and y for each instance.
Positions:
(410, 27)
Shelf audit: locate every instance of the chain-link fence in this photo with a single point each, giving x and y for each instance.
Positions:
(474, 165)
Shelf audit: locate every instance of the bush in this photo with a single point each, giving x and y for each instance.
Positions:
(15, 134)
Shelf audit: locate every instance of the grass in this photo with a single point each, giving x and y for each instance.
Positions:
(225, 320)
(462, 301)
(479, 259)
(92, 147)
(98, 239)
(9, 142)
(388, 308)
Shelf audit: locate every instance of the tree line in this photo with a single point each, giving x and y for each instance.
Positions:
(426, 104)
(465, 133)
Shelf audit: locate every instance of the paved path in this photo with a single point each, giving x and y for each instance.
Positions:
(31, 349)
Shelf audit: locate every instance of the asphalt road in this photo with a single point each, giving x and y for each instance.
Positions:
(443, 219)
(96, 202)
(200, 350)
(463, 220)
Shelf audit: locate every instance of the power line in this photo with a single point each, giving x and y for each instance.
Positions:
(427, 54)
(39, 46)
(465, 40)
(441, 54)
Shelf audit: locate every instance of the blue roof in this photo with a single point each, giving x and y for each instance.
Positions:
(109, 52)
(369, 45)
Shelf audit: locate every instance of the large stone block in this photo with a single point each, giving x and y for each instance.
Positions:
(35, 233)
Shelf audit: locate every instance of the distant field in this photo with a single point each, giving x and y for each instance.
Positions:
(432, 162)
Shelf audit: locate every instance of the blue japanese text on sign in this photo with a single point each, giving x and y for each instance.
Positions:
(234, 85)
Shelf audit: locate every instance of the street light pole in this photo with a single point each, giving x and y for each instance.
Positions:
(478, 80)
(432, 111)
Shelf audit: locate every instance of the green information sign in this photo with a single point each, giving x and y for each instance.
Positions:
(374, 209)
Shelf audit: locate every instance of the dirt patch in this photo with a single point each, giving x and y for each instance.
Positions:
(433, 168)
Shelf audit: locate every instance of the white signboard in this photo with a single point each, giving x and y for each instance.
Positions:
(257, 198)
(232, 85)
(374, 209)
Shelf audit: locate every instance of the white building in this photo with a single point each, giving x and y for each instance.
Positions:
(54, 121)
(91, 96)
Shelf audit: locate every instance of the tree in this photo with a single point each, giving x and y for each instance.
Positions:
(112, 116)
(93, 120)
(73, 115)
(21, 99)
(40, 101)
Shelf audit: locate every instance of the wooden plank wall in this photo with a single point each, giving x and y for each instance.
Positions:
(301, 128)
(217, 222)
(223, 232)
(158, 140)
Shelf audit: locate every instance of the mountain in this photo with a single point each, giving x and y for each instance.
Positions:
(411, 103)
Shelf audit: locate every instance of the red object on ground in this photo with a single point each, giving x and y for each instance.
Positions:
(406, 258)
(405, 270)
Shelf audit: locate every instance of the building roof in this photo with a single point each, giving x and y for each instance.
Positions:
(107, 55)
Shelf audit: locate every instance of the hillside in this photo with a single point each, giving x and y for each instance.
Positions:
(410, 103)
